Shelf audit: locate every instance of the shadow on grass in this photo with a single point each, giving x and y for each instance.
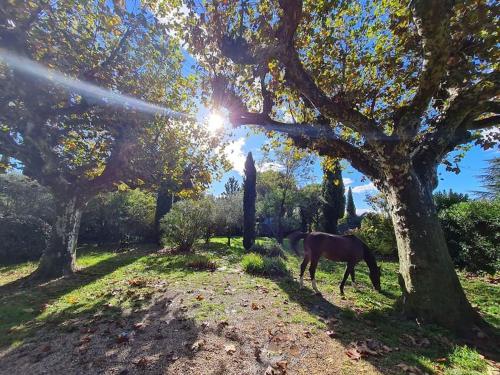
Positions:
(150, 339)
(384, 324)
(23, 309)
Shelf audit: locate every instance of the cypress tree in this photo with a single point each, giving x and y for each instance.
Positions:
(249, 195)
(351, 208)
(333, 206)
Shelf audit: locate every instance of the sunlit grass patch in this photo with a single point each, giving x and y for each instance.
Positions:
(257, 264)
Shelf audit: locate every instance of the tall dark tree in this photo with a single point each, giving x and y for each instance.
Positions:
(350, 208)
(164, 201)
(249, 196)
(391, 86)
(333, 194)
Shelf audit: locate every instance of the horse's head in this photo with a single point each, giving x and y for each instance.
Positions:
(375, 277)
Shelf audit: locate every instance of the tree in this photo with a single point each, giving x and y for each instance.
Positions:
(229, 214)
(491, 180)
(294, 165)
(249, 196)
(350, 208)
(80, 141)
(310, 203)
(393, 87)
(333, 191)
(444, 200)
(231, 187)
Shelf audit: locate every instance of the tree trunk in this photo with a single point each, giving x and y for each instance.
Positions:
(164, 202)
(431, 288)
(59, 257)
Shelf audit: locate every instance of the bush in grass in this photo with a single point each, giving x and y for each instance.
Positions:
(257, 264)
(472, 230)
(184, 224)
(22, 238)
(201, 263)
(270, 249)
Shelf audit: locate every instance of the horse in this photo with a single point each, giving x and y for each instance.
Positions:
(348, 248)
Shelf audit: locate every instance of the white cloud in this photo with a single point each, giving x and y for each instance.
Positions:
(364, 188)
(347, 181)
(234, 153)
(269, 166)
(361, 211)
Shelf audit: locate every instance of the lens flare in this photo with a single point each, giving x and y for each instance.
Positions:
(215, 122)
(89, 91)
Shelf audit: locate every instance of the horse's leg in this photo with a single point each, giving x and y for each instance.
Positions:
(303, 267)
(312, 271)
(353, 277)
(348, 270)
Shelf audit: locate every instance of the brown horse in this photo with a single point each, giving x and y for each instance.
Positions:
(348, 249)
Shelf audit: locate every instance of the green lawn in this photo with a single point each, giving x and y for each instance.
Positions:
(116, 284)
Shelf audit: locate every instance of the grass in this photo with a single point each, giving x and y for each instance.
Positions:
(116, 284)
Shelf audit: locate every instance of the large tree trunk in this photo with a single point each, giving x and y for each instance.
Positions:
(59, 258)
(431, 288)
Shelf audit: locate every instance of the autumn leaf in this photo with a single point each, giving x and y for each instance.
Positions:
(230, 349)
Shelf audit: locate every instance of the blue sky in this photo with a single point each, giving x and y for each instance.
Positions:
(245, 141)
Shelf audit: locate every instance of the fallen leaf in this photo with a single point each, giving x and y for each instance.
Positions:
(139, 326)
(197, 345)
(307, 334)
(230, 349)
(255, 306)
(331, 333)
(353, 354)
(123, 337)
(142, 362)
(199, 297)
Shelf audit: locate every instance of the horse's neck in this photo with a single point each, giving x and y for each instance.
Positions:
(370, 260)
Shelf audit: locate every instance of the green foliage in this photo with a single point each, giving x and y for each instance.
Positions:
(472, 230)
(184, 224)
(466, 361)
(444, 200)
(22, 196)
(270, 248)
(491, 180)
(119, 216)
(309, 202)
(333, 197)
(378, 233)
(257, 264)
(249, 197)
(22, 238)
(350, 207)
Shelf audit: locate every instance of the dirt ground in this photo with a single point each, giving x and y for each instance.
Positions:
(257, 337)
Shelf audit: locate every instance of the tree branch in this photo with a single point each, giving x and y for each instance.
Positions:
(318, 137)
(432, 19)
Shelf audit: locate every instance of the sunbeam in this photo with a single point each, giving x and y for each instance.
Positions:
(87, 90)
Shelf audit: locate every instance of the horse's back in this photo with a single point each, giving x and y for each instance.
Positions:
(335, 247)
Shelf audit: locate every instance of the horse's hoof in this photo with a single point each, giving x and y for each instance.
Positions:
(318, 294)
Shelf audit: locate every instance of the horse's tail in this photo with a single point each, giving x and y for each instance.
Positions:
(294, 239)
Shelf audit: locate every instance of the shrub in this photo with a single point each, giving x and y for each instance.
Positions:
(201, 263)
(23, 238)
(184, 224)
(257, 264)
(377, 232)
(269, 249)
(472, 230)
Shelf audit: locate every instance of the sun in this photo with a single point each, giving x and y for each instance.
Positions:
(215, 122)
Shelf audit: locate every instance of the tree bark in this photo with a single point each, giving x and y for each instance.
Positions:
(59, 258)
(431, 288)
